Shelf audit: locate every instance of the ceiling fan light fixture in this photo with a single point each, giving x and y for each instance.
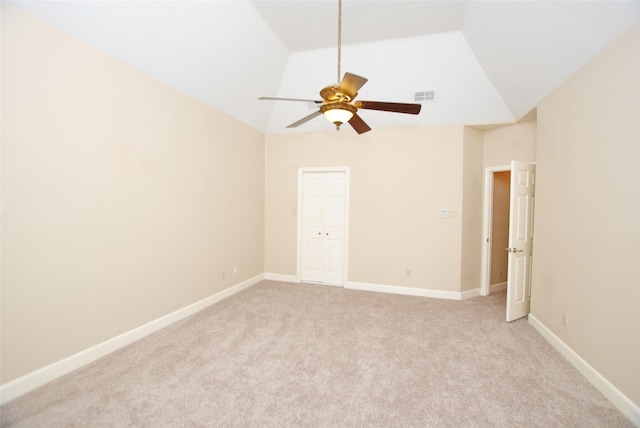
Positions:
(338, 106)
(338, 113)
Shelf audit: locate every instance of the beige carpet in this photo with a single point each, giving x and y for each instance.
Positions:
(282, 354)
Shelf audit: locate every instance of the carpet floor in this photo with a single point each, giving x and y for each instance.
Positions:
(302, 355)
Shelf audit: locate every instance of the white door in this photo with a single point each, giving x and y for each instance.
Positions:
(323, 227)
(520, 250)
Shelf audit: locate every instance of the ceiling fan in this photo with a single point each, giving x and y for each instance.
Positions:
(338, 104)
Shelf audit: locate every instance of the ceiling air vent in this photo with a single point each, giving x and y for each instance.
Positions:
(425, 96)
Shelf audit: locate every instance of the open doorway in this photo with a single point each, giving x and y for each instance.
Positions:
(496, 229)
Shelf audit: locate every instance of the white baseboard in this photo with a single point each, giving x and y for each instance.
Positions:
(617, 398)
(470, 293)
(281, 277)
(411, 291)
(391, 289)
(33, 380)
(497, 287)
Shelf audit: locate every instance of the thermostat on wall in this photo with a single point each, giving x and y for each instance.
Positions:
(444, 214)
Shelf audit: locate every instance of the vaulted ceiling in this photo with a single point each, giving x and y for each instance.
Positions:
(489, 62)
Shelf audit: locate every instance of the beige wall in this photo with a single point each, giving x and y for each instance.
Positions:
(511, 142)
(587, 236)
(400, 178)
(472, 176)
(123, 200)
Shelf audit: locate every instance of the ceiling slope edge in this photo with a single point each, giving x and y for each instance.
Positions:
(220, 53)
(396, 69)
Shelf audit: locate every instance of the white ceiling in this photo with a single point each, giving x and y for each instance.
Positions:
(490, 62)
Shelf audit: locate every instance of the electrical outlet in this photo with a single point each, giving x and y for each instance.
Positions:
(499, 273)
(223, 275)
(408, 273)
(235, 270)
(565, 320)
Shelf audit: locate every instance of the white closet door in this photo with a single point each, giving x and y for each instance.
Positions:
(312, 216)
(323, 227)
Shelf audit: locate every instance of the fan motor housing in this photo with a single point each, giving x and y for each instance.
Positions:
(332, 93)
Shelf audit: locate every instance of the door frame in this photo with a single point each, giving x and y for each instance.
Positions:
(485, 287)
(304, 170)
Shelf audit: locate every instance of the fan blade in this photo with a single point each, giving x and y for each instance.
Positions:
(351, 84)
(289, 99)
(305, 119)
(393, 107)
(358, 124)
